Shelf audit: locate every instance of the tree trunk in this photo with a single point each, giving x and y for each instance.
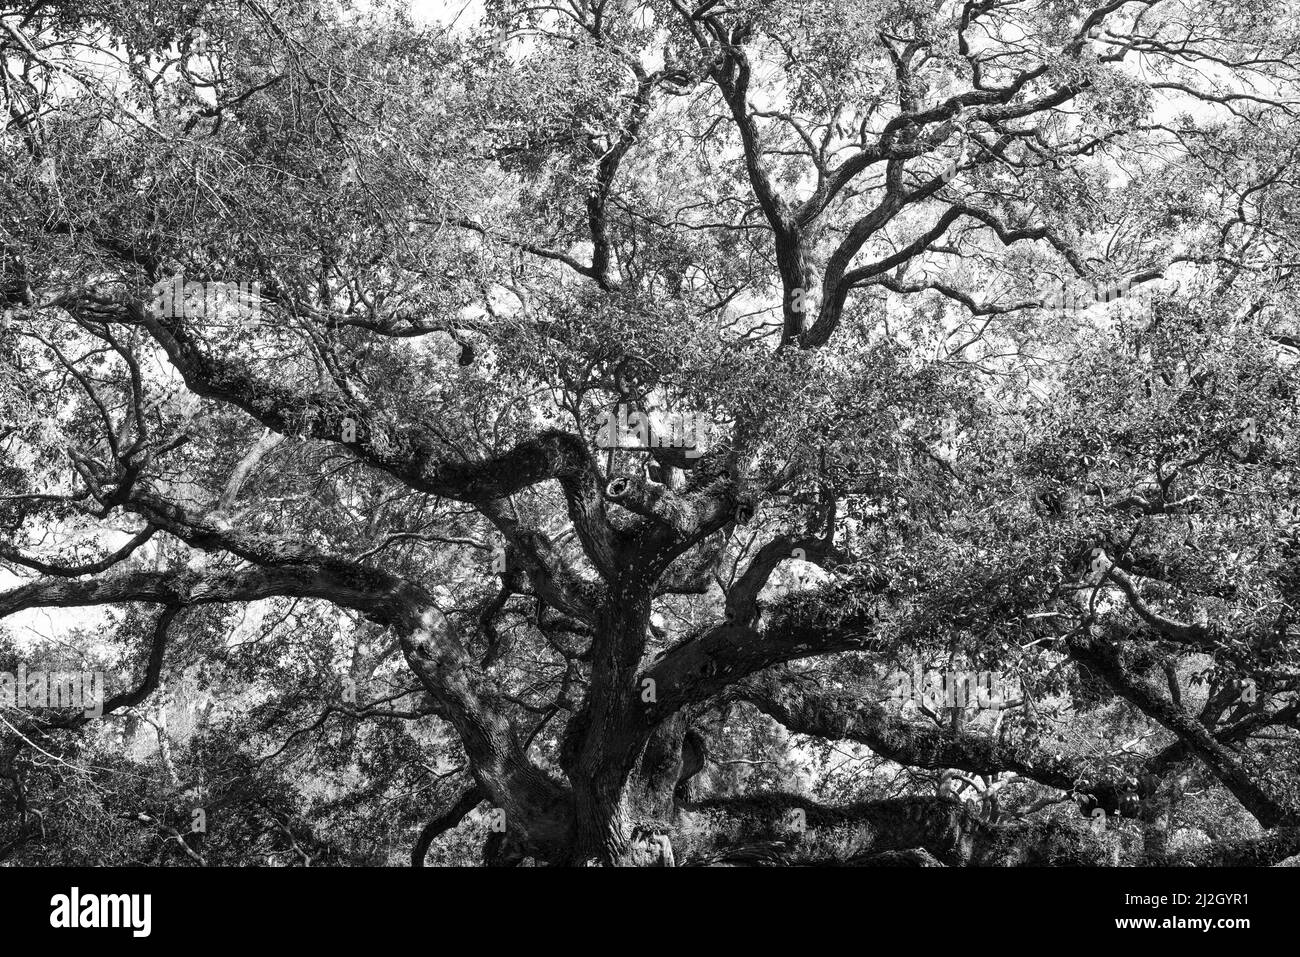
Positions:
(606, 739)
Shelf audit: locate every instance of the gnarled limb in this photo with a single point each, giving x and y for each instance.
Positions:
(469, 799)
(415, 457)
(804, 709)
(1112, 661)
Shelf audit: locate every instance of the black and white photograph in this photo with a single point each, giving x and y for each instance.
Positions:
(824, 434)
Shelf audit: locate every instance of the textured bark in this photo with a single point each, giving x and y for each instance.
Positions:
(535, 805)
(811, 711)
(1111, 660)
(659, 771)
(605, 739)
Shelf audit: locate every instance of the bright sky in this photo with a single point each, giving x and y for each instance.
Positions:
(442, 11)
